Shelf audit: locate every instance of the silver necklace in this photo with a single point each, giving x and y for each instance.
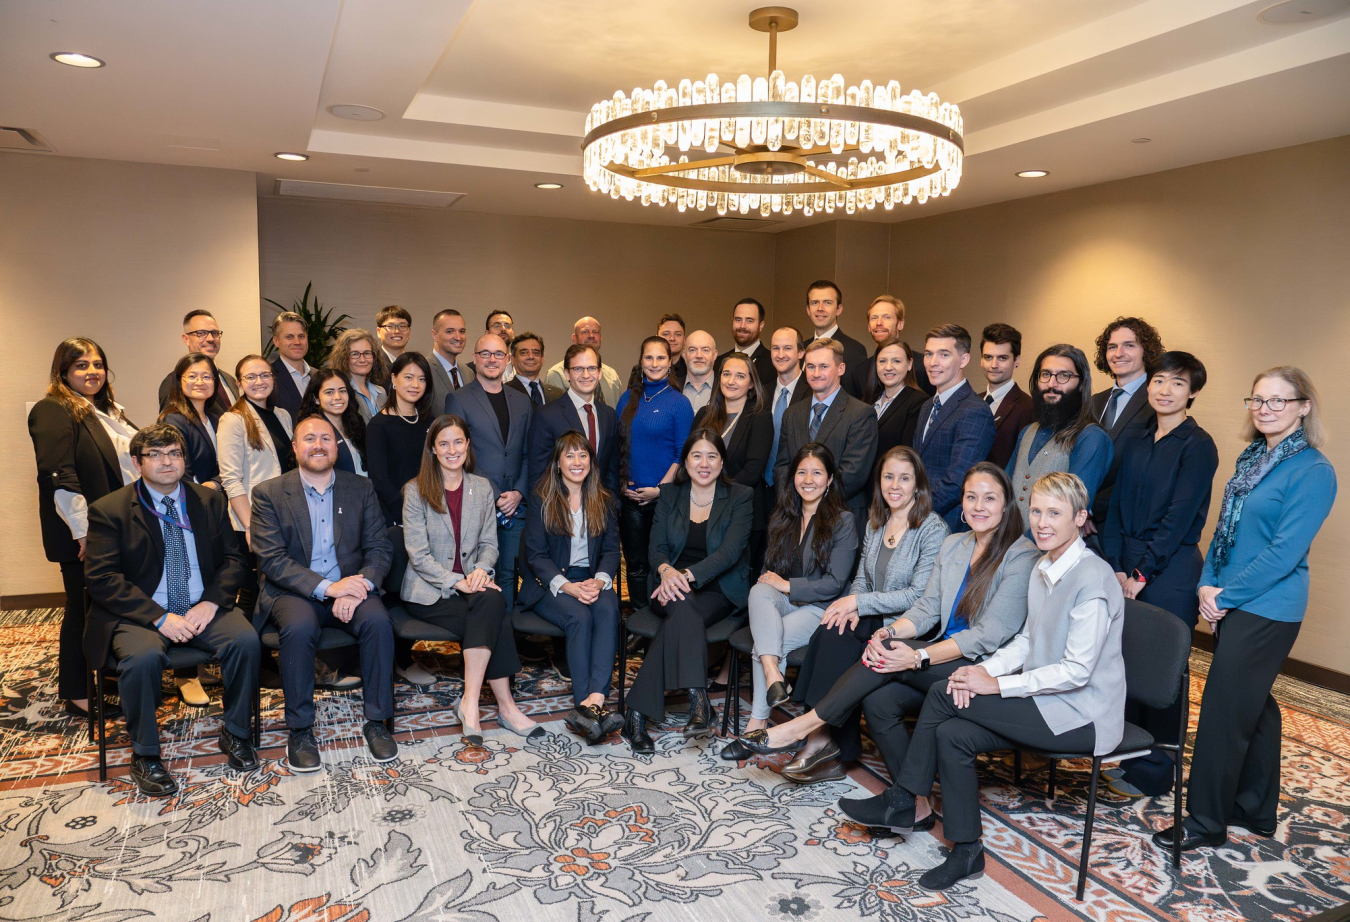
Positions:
(649, 399)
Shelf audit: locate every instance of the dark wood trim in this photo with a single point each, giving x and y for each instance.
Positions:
(32, 600)
(1311, 673)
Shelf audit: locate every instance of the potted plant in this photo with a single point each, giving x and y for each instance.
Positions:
(320, 324)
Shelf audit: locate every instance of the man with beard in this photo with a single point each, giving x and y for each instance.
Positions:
(1064, 436)
(747, 322)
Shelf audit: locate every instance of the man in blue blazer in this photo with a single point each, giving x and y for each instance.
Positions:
(578, 411)
(956, 429)
(499, 426)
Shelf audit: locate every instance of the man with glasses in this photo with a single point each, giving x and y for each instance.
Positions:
(824, 305)
(527, 355)
(449, 336)
(586, 332)
(202, 334)
(1064, 436)
(163, 564)
(579, 411)
(393, 325)
(501, 323)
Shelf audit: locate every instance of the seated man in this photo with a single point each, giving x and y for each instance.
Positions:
(163, 565)
(322, 549)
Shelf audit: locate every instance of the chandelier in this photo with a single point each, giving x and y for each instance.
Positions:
(767, 144)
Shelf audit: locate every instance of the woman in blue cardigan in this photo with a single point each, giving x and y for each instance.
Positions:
(1254, 591)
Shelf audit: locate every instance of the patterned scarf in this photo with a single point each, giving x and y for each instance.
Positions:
(1253, 465)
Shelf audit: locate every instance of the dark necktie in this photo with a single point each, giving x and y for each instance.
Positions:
(932, 417)
(177, 569)
(536, 394)
(817, 414)
(989, 398)
(590, 427)
(454, 376)
(1112, 405)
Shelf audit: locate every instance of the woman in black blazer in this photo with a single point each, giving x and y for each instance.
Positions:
(570, 557)
(700, 575)
(896, 396)
(193, 410)
(82, 439)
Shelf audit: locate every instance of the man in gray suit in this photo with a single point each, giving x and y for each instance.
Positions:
(323, 550)
(843, 424)
(499, 422)
(449, 335)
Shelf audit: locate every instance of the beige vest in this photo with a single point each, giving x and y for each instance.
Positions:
(1052, 457)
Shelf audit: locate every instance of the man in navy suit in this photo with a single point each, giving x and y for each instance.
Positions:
(527, 357)
(824, 304)
(956, 429)
(578, 411)
(1000, 355)
(290, 371)
(1126, 350)
(499, 425)
(747, 322)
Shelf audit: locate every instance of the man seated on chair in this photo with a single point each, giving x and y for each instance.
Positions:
(322, 549)
(163, 565)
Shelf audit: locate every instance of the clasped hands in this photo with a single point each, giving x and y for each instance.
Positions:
(586, 591)
(182, 628)
(969, 681)
(641, 495)
(1209, 604)
(347, 593)
(476, 581)
(674, 585)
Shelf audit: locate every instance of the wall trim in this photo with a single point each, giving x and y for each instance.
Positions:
(1293, 668)
(32, 600)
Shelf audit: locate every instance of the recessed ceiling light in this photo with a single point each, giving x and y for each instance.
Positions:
(1033, 174)
(75, 59)
(1140, 140)
(357, 113)
(287, 155)
(1293, 12)
(548, 185)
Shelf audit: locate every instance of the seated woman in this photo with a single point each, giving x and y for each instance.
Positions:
(700, 558)
(1059, 686)
(570, 553)
(899, 551)
(976, 592)
(450, 532)
(330, 395)
(812, 545)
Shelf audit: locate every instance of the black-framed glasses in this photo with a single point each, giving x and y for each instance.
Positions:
(496, 354)
(205, 334)
(358, 356)
(396, 327)
(1061, 377)
(173, 454)
(1274, 404)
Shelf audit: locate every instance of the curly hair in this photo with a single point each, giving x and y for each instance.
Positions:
(1148, 338)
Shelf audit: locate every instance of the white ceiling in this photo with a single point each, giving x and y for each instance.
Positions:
(488, 98)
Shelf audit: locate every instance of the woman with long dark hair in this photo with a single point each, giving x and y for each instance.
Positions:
(895, 396)
(330, 395)
(395, 435)
(193, 410)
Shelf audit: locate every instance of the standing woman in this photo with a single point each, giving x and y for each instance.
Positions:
(1254, 591)
(253, 444)
(395, 435)
(450, 532)
(1152, 533)
(82, 439)
(896, 396)
(570, 555)
(812, 545)
(330, 396)
(193, 411)
(654, 421)
(356, 355)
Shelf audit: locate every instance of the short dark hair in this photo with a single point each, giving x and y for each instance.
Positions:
(669, 318)
(1186, 364)
(521, 337)
(758, 306)
(1148, 337)
(714, 438)
(826, 283)
(392, 312)
(156, 435)
(951, 331)
(576, 349)
(1002, 334)
(801, 341)
(487, 324)
(448, 312)
(197, 313)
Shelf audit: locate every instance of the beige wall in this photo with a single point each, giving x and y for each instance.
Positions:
(853, 254)
(1241, 261)
(117, 252)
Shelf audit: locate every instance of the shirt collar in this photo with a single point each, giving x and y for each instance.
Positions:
(1054, 571)
(748, 350)
(698, 389)
(578, 401)
(942, 396)
(302, 371)
(1002, 390)
(447, 364)
(1134, 385)
(315, 491)
(828, 401)
(791, 385)
(177, 496)
(828, 334)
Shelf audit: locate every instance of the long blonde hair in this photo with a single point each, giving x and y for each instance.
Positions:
(1298, 379)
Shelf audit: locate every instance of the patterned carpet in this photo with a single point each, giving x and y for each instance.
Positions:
(551, 829)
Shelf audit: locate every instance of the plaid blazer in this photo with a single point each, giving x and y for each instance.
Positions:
(959, 438)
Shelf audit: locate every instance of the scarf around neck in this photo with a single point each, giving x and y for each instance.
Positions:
(1253, 465)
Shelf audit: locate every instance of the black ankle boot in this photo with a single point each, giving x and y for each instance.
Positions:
(966, 860)
(635, 731)
(700, 713)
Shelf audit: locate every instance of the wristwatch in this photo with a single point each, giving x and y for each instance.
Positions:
(1138, 577)
(922, 654)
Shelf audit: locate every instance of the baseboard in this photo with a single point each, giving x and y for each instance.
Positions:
(1313, 674)
(32, 600)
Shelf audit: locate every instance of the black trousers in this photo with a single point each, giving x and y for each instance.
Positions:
(247, 597)
(143, 654)
(479, 619)
(300, 621)
(635, 529)
(72, 670)
(947, 740)
(1235, 766)
(678, 655)
(829, 655)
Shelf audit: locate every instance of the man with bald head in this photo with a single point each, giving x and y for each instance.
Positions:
(586, 332)
(700, 358)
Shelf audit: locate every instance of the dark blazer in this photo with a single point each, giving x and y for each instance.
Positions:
(865, 377)
(440, 383)
(124, 561)
(1014, 414)
(544, 556)
(284, 544)
(1136, 416)
(551, 393)
(855, 356)
(74, 456)
(202, 465)
(747, 457)
(727, 565)
(284, 392)
(849, 431)
(896, 426)
(762, 361)
(501, 462)
(808, 583)
(225, 395)
(959, 438)
(549, 423)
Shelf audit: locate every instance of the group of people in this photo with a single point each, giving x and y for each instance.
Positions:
(938, 551)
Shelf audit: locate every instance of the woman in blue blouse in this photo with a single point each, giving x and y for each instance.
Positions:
(654, 420)
(1254, 591)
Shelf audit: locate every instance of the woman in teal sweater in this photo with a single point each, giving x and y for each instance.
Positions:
(1254, 591)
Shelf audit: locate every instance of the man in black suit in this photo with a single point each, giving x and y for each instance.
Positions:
(290, 371)
(323, 549)
(824, 305)
(885, 320)
(163, 565)
(843, 424)
(202, 334)
(1000, 356)
(1126, 350)
(578, 411)
(747, 322)
(789, 385)
(527, 356)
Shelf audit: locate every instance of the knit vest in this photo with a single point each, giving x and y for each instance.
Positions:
(1052, 457)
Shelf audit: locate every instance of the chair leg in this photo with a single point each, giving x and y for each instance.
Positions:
(257, 716)
(393, 705)
(623, 660)
(735, 689)
(1054, 776)
(1017, 767)
(1176, 807)
(1087, 828)
(89, 697)
(96, 715)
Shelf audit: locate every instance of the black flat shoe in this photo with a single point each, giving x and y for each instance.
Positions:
(893, 808)
(1254, 829)
(716, 686)
(735, 751)
(380, 742)
(700, 714)
(609, 720)
(757, 741)
(831, 770)
(635, 731)
(151, 777)
(238, 752)
(778, 693)
(584, 721)
(110, 711)
(1190, 841)
(965, 860)
(804, 765)
(302, 752)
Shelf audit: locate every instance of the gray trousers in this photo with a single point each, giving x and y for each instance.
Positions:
(778, 627)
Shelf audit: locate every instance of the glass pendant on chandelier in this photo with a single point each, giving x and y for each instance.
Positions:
(771, 145)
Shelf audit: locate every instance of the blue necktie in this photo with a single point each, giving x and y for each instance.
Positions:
(932, 417)
(817, 414)
(177, 569)
(779, 408)
(1112, 404)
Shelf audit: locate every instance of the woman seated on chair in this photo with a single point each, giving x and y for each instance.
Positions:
(700, 575)
(450, 532)
(570, 553)
(1058, 686)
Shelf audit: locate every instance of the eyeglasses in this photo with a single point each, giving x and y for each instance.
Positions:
(205, 334)
(172, 454)
(1063, 377)
(359, 356)
(1274, 404)
(258, 378)
(197, 379)
(485, 355)
(585, 369)
(396, 327)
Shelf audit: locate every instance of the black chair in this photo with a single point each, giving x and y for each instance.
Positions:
(1156, 646)
(645, 623)
(741, 643)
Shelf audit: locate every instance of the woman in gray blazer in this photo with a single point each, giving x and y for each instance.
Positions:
(450, 533)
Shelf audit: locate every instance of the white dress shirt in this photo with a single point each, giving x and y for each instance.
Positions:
(999, 393)
(580, 403)
(73, 508)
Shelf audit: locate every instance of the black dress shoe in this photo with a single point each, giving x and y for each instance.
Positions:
(635, 731)
(778, 693)
(966, 859)
(238, 752)
(805, 764)
(609, 720)
(1254, 829)
(892, 808)
(151, 777)
(735, 751)
(380, 741)
(830, 770)
(110, 711)
(302, 752)
(700, 714)
(757, 741)
(1190, 841)
(584, 721)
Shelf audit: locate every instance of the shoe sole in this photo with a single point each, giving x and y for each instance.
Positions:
(303, 771)
(976, 876)
(388, 758)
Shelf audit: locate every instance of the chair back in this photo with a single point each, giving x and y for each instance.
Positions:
(398, 564)
(1156, 646)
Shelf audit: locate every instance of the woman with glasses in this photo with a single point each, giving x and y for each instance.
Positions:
(898, 397)
(395, 435)
(329, 396)
(356, 355)
(193, 411)
(1254, 592)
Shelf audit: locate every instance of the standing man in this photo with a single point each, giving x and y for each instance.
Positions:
(747, 322)
(700, 357)
(1000, 356)
(789, 387)
(500, 322)
(499, 424)
(840, 422)
(393, 325)
(1127, 348)
(202, 334)
(290, 371)
(885, 320)
(586, 332)
(527, 355)
(956, 429)
(824, 305)
(449, 336)
(163, 565)
(580, 411)
(671, 328)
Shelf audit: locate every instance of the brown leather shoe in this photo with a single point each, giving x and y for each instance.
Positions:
(831, 770)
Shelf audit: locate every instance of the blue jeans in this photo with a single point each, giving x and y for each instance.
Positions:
(592, 635)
